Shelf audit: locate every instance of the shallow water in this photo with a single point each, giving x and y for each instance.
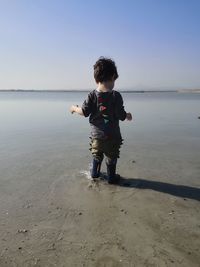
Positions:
(39, 135)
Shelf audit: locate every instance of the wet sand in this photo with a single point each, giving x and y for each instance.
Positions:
(58, 219)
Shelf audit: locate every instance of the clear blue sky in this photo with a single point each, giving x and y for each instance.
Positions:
(47, 44)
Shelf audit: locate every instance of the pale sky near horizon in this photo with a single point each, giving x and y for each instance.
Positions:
(54, 44)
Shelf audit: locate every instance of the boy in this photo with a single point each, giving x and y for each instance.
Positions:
(105, 108)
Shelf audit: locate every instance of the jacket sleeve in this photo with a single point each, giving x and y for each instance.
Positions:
(119, 108)
(87, 105)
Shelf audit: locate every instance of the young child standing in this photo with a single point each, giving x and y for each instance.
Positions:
(105, 108)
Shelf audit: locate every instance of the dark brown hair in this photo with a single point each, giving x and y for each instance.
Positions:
(104, 70)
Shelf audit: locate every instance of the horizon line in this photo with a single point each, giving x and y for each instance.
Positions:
(88, 90)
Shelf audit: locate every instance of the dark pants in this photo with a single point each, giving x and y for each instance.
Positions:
(108, 147)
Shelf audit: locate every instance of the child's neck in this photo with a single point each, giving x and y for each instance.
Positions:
(103, 88)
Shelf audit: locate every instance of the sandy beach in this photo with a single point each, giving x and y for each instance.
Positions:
(55, 221)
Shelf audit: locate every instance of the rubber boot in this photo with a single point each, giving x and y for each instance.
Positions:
(96, 167)
(111, 172)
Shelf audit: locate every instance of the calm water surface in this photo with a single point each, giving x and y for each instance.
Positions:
(39, 135)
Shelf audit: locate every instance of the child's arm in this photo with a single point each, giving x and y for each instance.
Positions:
(85, 109)
(120, 111)
(76, 109)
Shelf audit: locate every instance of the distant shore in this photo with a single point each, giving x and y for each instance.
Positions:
(124, 91)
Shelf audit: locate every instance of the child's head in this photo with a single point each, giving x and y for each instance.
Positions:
(105, 72)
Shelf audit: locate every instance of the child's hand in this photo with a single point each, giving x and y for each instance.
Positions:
(73, 109)
(76, 109)
(129, 116)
